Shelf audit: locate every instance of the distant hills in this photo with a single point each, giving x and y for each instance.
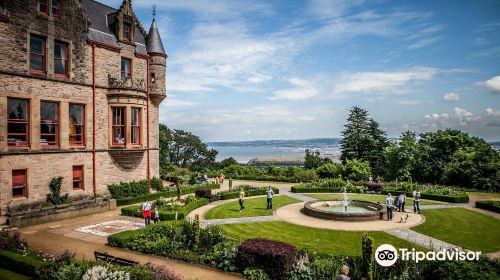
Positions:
(302, 143)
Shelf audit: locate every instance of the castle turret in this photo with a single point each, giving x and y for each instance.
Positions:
(158, 62)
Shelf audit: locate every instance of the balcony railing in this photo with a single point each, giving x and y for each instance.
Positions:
(135, 84)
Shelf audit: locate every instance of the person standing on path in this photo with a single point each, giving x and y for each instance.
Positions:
(146, 212)
(157, 215)
(270, 198)
(242, 198)
(416, 201)
(401, 202)
(389, 201)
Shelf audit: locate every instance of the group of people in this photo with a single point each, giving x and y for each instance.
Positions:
(400, 203)
(269, 196)
(146, 213)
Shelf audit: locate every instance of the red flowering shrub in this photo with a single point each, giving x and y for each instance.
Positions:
(375, 186)
(203, 193)
(275, 257)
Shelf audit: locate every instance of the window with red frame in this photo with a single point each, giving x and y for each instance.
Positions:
(56, 8)
(136, 126)
(60, 59)
(76, 124)
(126, 72)
(118, 126)
(18, 122)
(127, 31)
(43, 6)
(19, 183)
(49, 123)
(78, 177)
(37, 54)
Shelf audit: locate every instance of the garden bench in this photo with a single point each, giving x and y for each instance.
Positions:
(114, 260)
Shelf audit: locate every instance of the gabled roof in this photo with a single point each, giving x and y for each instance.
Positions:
(101, 18)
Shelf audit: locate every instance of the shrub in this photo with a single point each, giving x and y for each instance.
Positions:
(367, 256)
(329, 170)
(26, 265)
(375, 186)
(300, 272)
(304, 189)
(54, 197)
(134, 188)
(210, 237)
(249, 191)
(102, 273)
(121, 239)
(252, 273)
(305, 175)
(224, 255)
(203, 193)
(275, 257)
(489, 205)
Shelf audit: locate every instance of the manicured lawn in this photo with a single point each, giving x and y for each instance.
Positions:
(462, 227)
(10, 275)
(368, 197)
(253, 207)
(326, 241)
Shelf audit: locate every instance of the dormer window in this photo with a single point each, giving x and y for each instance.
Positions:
(127, 32)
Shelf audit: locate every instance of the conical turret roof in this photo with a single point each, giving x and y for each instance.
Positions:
(154, 44)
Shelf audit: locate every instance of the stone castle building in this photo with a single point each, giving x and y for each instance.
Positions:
(80, 89)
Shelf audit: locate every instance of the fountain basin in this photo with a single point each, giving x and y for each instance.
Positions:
(357, 210)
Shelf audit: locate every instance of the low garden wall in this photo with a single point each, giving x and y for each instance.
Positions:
(59, 212)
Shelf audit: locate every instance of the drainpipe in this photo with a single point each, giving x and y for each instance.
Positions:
(148, 80)
(93, 123)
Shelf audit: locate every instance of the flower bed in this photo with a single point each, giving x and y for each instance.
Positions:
(166, 214)
(172, 192)
(491, 205)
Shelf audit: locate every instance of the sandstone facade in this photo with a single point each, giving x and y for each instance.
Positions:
(78, 20)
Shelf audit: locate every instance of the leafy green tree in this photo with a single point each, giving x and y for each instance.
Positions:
(362, 139)
(313, 159)
(184, 149)
(367, 256)
(356, 170)
(227, 162)
(330, 170)
(400, 159)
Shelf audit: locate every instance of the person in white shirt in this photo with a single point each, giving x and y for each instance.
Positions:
(416, 201)
(146, 212)
(270, 193)
(401, 202)
(389, 201)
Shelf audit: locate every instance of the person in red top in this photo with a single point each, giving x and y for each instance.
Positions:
(146, 211)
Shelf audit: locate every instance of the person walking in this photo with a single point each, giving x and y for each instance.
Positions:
(389, 201)
(416, 201)
(270, 194)
(242, 199)
(344, 271)
(401, 202)
(157, 216)
(146, 212)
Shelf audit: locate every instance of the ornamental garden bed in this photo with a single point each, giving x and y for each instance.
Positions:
(169, 210)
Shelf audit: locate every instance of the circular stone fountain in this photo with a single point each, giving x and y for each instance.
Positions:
(341, 210)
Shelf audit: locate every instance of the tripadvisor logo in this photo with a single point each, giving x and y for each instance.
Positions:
(387, 255)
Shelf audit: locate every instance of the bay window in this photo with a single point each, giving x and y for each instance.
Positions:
(118, 126)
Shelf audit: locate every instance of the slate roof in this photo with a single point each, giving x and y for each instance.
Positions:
(153, 40)
(101, 19)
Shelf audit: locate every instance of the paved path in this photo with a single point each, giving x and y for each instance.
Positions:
(421, 239)
(58, 236)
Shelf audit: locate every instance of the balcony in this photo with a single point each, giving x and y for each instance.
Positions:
(128, 84)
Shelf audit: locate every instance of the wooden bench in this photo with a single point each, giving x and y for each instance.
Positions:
(114, 260)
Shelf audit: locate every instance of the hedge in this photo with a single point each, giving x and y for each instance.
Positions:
(155, 196)
(165, 215)
(302, 189)
(275, 257)
(134, 188)
(16, 262)
(253, 192)
(457, 198)
(121, 239)
(490, 205)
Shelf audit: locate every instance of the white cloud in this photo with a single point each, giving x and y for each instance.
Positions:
(385, 82)
(451, 97)
(409, 102)
(331, 8)
(301, 89)
(463, 116)
(493, 84)
(492, 112)
(423, 43)
(173, 102)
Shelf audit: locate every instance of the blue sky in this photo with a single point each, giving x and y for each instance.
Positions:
(245, 70)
